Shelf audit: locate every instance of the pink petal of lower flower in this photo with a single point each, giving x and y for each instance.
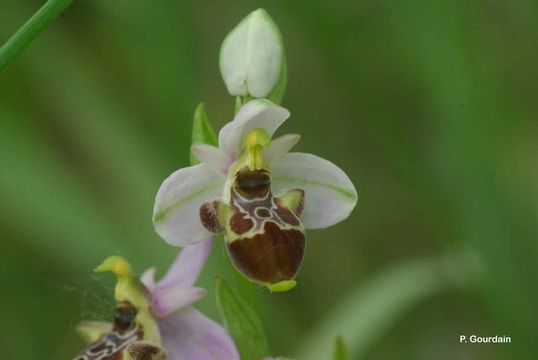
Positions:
(187, 266)
(168, 300)
(189, 334)
(148, 278)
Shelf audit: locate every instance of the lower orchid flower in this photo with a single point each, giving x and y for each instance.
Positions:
(154, 321)
(231, 192)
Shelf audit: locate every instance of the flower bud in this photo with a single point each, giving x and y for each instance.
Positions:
(252, 58)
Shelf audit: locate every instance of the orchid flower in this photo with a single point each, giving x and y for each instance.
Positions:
(231, 191)
(155, 321)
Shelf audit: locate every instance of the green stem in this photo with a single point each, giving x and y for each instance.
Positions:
(31, 29)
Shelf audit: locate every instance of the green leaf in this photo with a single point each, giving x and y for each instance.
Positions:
(24, 36)
(202, 131)
(340, 351)
(242, 322)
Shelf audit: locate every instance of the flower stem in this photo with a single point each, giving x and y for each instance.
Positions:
(31, 29)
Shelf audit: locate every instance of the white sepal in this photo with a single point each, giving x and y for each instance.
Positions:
(176, 214)
(329, 193)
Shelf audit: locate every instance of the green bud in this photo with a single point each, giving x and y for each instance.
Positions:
(252, 60)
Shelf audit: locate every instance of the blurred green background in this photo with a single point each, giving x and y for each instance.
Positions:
(429, 106)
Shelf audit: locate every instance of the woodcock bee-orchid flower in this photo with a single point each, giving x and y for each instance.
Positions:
(154, 321)
(256, 193)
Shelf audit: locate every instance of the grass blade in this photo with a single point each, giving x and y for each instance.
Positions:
(24, 36)
(365, 314)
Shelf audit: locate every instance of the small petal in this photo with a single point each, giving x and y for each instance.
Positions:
(254, 114)
(329, 194)
(280, 147)
(148, 278)
(187, 266)
(188, 334)
(213, 157)
(251, 56)
(168, 300)
(176, 212)
(91, 331)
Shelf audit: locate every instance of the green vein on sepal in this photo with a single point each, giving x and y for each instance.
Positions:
(347, 194)
(161, 214)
